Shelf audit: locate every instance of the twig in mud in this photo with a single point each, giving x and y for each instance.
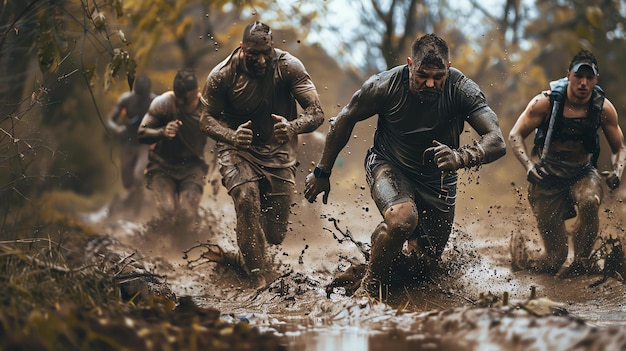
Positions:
(347, 235)
(435, 304)
(611, 251)
(269, 285)
(410, 300)
(213, 253)
(301, 257)
(126, 261)
(452, 292)
(132, 276)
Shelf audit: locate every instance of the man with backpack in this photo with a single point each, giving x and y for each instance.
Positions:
(562, 165)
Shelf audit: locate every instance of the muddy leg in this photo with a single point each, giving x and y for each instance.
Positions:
(387, 241)
(276, 217)
(250, 235)
(136, 199)
(554, 237)
(587, 195)
(164, 190)
(128, 159)
(431, 237)
(550, 209)
(189, 197)
(434, 232)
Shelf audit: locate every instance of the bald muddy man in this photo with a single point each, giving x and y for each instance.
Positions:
(176, 171)
(411, 168)
(250, 110)
(561, 168)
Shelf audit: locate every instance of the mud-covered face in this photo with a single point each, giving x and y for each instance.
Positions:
(185, 99)
(426, 81)
(257, 56)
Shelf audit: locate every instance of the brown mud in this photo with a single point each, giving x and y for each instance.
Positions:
(461, 307)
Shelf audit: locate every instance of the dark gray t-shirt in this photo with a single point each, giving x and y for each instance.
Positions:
(407, 127)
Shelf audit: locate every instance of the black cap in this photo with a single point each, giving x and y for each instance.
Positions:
(576, 67)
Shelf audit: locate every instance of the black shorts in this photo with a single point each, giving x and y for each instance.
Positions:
(434, 196)
(389, 185)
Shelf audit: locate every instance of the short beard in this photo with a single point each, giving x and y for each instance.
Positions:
(255, 71)
(429, 95)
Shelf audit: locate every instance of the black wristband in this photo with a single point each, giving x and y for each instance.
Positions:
(320, 173)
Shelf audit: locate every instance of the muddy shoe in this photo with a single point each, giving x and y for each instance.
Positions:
(213, 253)
(544, 266)
(257, 279)
(350, 280)
(575, 269)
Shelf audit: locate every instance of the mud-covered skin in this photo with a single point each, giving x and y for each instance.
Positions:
(250, 110)
(407, 267)
(413, 135)
(565, 182)
(232, 98)
(176, 171)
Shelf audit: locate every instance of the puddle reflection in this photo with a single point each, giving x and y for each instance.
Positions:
(328, 340)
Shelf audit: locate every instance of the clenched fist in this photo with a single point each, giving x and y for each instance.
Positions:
(282, 129)
(243, 136)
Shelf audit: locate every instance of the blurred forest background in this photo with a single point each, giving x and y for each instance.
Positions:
(64, 63)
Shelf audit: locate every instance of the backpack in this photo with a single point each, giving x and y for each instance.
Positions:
(591, 140)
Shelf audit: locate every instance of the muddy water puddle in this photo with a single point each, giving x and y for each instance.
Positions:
(440, 315)
(308, 320)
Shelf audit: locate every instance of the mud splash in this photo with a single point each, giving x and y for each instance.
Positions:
(461, 308)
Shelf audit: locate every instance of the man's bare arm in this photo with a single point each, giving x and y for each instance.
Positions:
(312, 116)
(216, 130)
(150, 130)
(491, 145)
(615, 138)
(529, 119)
(341, 128)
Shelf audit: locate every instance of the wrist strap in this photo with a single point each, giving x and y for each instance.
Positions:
(320, 173)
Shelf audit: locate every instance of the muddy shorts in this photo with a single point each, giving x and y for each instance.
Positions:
(557, 200)
(434, 197)
(191, 175)
(237, 170)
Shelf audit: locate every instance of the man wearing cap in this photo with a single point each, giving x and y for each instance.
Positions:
(250, 110)
(176, 171)
(561, 167)
(411, 168)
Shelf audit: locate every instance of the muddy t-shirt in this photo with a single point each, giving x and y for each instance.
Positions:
(188, 144)
(136, 107)
(234, 97)
(407, 126)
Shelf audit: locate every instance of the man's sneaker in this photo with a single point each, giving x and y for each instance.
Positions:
(575, 269)
(257, 279)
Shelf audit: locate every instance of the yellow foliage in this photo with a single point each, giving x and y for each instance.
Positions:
(595, 16)
(583, 31)
(183, 27)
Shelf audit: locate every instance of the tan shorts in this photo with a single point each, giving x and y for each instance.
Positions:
(237, 170)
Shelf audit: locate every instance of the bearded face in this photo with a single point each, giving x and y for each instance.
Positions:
(258, 55)
(426, 81)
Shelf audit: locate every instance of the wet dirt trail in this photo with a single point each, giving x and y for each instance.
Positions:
(447, 313)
